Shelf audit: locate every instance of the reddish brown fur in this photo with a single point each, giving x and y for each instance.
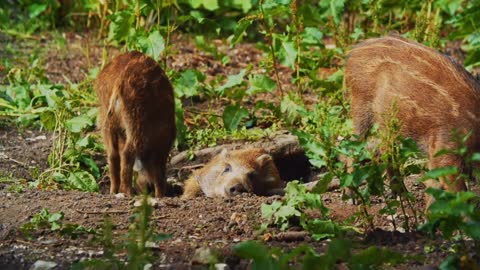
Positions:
(137, 121)
(253, 169)
(434, 96)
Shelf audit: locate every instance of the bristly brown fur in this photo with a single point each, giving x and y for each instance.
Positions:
(138, 124)
(435, 96)
(252, 168)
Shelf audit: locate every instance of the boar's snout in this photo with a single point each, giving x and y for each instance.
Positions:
(236, 190)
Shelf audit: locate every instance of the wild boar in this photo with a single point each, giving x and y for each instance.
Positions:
(434, 97)
(137, 121)
(233, 172)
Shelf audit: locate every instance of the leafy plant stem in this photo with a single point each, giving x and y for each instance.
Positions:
(269, 37)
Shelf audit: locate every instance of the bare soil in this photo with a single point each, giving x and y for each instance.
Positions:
(217, 224)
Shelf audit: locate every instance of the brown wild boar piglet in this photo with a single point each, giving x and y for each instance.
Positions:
(137, 121)
(233, 172)
(434, 97)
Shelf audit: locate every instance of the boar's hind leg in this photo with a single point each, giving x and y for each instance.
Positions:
(156, 176)
(127, 159)
(113, 144)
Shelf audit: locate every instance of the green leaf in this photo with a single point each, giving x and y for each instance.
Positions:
(36, 9)
(232, 80)
(90, 163)
(260, 84)
(233, 115)
(153, 45)
(55, 226)
(256, 252)
(290, 54)
(246, 5)
(287, 211)
(312, 36)
(207, 4)
(242, 26)
(48, 120)
(189, 83)
(472, 229)
(268, 210)
(83, 181)
(79, 123)
(440, 172)
(334, 9)
(121, 25)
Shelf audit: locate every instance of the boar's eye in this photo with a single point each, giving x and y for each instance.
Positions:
(227, 169)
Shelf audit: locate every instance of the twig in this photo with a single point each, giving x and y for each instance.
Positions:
(2, 155)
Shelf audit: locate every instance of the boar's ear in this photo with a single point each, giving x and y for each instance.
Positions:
(264, 159)
(224, 153)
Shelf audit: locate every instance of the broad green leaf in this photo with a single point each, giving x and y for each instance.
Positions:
(268, 210)
(260, 84)
(189, 83)
(90, 163)
(55, 217)
(207, 4)
(246, 5)
(258, 253)
(51, 94)
(312, 36)
(287, 211)
(153, 45)
(232, 80)
(290, 54)
(79, 123)
(48, 119)
(36, 9)
(83, 181)
(333, 8)
(440, 172)
(473, 229)
(55, 226)
(233, 115)
(120, 26)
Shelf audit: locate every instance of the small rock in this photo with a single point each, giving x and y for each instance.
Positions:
(42, 265)
(119, 196)
(221, 266)
(150, 244)
(203, 255)
(147, 266)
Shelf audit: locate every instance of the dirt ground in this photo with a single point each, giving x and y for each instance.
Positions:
(195, 225)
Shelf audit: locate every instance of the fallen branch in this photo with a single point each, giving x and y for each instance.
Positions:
(291, 236)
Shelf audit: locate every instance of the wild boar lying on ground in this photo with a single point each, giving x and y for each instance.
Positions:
(234, 172)
(137, 121)
(434, 96)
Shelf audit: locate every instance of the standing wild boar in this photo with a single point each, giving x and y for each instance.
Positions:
(137, 121)
(434, 97)
(234, 172)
